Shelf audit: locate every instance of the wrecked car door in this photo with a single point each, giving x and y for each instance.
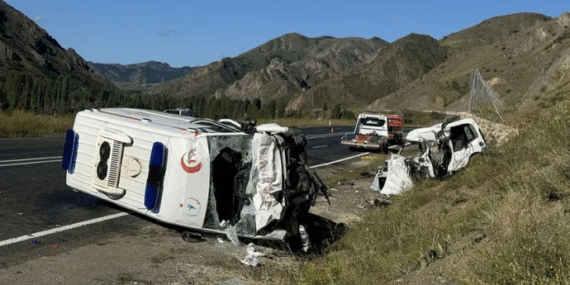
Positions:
(466, 142)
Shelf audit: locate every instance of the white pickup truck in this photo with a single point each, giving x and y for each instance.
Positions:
(375, 131)
(213, 176)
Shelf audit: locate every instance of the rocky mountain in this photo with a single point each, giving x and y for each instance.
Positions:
(146, 72)
(280, 69)
(307, 73)
(524, 56)
(25, 47)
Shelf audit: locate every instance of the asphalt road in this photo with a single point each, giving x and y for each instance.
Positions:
(35, 198)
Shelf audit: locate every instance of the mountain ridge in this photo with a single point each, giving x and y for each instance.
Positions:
(513, 52)
(144, 72)
(293, 68)
(520, 54)
(26, 46)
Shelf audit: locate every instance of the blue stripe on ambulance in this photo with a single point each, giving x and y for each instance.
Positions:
(153, 189)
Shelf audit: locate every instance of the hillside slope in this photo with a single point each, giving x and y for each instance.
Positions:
(518, 54)
(307, 73)
(25, 47)
(272, 70)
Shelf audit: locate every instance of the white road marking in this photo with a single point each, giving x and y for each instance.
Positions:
(114, 216)
(343, 159)
(60, 229)
(28, 159)
(325, 145)
(325, 135)
(33, 162)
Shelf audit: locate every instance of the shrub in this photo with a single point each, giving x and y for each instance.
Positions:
(20, 123)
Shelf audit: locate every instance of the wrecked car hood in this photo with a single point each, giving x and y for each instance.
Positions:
(427, 134)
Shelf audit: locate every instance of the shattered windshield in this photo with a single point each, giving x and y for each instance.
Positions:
(372, 122)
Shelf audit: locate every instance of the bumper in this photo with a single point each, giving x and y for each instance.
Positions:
(356, 144)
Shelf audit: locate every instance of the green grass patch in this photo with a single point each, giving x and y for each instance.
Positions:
(20, 123)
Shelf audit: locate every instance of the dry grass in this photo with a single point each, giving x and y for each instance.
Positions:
(503, 220)
(20, 123)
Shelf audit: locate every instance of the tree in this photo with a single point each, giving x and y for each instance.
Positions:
(2, 97)
(271, 109)
(281, 109)
(12, 88)
(347, 114)
(336, 112)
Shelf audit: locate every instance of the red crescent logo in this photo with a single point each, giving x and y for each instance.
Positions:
(190, 169)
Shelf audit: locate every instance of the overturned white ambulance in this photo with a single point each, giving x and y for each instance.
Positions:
(213, 176)
(457, 143)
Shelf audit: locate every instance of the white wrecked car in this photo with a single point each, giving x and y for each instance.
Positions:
(212, 176)
(457, 142)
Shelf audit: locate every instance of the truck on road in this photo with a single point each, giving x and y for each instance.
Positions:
(375, 131)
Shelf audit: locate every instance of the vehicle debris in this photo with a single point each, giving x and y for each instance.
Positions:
(457, 143)
(223, 177)
(375, 131)
(252, 256)
(192, 237)
(379, 203)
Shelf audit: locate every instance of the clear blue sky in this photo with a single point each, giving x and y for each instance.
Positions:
(196, 32)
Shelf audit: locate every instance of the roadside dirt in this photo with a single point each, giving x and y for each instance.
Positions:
(158, 255)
